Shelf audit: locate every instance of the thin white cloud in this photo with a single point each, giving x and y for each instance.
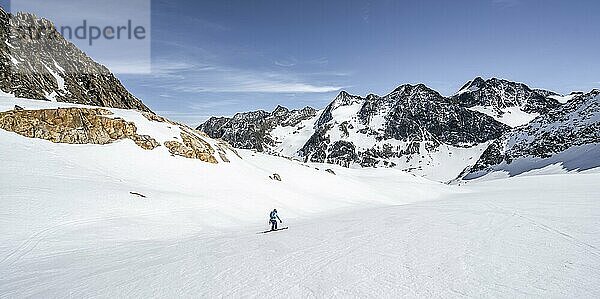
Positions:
(320, 60)
(213, 104)
(506, 3)
(170, 68)
(366, 12)
(286, 62)
(187, 77)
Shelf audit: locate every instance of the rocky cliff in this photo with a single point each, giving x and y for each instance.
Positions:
(36, 62)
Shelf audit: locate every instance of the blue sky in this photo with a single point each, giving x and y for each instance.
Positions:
(221, 57)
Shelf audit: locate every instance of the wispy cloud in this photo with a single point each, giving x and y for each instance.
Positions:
(320, 60)
(366, 11)
(286, 62)
(194, 78)
(213, 104)
(506, 3)
(175, 69)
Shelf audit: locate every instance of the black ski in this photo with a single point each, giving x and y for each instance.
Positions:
(272, 231)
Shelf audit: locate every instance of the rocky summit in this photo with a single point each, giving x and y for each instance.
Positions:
(500, 94)
(36, 62)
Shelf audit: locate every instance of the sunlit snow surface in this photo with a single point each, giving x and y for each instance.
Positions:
(511, 116)
(70, 228)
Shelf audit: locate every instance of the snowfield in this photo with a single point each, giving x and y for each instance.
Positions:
(69, 227)
(511, 116)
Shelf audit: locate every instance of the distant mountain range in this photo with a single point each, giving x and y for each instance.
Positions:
(416, 129)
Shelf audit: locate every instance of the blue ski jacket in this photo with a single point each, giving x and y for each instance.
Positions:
(274, 216)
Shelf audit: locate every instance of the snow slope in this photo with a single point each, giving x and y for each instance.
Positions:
(49, 178)
(564, 99)
(69, 227)
(521, 237)
(290, 138)
(511, 116)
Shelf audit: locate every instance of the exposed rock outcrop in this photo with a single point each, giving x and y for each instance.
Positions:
(154, 117)
(193, 147)
(73, 126)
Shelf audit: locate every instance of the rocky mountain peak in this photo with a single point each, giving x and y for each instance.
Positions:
(499, 95)
(410, 92)
(280, 110)
(48, 67)
(472, 85)
(345, 99)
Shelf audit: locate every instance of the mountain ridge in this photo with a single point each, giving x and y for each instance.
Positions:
(413, 127)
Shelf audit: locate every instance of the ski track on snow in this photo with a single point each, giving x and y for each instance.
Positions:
(478, 244)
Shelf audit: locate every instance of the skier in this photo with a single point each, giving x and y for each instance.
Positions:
(273, 219)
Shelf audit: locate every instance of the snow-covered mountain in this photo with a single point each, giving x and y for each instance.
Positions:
(254, 130)
(509, 102)
(413, 128)
(567, 139)
(36, 62)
